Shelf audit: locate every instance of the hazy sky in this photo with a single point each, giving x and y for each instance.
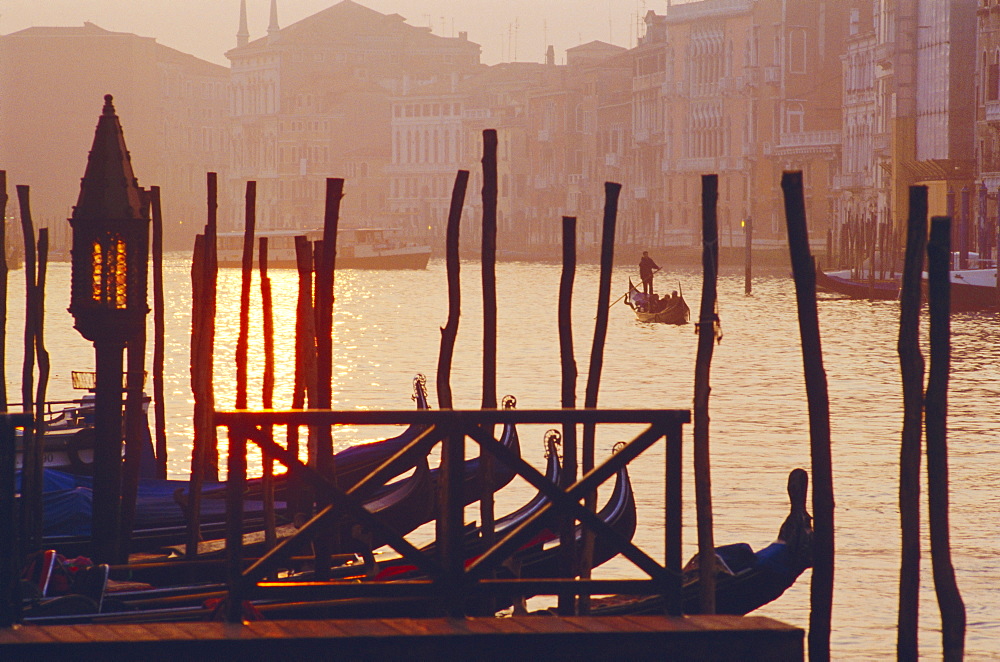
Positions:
(506, 29)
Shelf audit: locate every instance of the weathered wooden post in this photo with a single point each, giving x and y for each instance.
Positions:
(449, 522)
(31, 473)
(108, 301)
(243, 338)
(748, 256)
(567, 533)
(325, 265)
(489, 260)
(936, 421)
(267, 394)
(612, 191)
(963, 229)
(708, 331)
(819, 416)
(198, 389)
(159, 332)
(911, 363)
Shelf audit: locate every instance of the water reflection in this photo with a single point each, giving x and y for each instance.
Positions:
(387, 330)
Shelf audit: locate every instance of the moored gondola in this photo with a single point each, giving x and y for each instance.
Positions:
(744, 579)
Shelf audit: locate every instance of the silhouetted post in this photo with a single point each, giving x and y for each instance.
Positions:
(42, 357)
(3, 290)
(159, 405)
(325, 265)
(31, 458)
(936, 421)
(135, 424)
(748, 256)
(911, 363)
(489, 259)
(267, 395)
(450, 330)
(804, 272)
(243, 338)
(305, 332)
(567, 533)
(198, 387)
(450, 520)
(963, 229)
(211, 458)
(612, 191)
(708, 332)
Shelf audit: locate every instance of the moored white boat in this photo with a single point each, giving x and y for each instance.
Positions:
(357, 248)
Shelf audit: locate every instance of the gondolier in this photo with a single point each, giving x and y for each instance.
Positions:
(646, 270)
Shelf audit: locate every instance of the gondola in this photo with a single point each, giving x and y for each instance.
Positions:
(744, 579)
(842, 282)
(651, 308)
(161, 518)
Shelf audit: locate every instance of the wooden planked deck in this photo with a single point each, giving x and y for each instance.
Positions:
(529, 637)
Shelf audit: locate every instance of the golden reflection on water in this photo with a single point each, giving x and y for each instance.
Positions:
(387, 329)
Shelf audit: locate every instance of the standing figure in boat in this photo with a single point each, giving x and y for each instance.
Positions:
(646, 270)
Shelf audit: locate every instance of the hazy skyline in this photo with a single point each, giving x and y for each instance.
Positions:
(509, 30)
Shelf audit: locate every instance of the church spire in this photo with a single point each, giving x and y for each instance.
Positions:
(243, 34)
(272, 28)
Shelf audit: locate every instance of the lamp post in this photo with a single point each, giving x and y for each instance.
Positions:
(108, 302)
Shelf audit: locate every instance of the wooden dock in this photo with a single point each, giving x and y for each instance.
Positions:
(528, 637)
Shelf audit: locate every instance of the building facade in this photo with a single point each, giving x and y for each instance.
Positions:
(172, 105)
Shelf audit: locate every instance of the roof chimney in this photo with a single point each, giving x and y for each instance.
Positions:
(550, 55)
(272, 27)
(243, 34)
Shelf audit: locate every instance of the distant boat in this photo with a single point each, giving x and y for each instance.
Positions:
(843, 282)
(650, 308)
(972, 289)
(357, 248)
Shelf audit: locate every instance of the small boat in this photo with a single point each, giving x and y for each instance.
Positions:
(843, 282)
(357, 248)
(651, 308)
(744, 579)
(971, 289)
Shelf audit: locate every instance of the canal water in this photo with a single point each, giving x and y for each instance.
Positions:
(387, 329)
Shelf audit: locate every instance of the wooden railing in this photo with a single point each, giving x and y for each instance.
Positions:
(450, 581)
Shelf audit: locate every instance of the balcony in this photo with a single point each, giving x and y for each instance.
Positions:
(543, 136)
(575, 180)
(853, 180)
(641, 135)
(804, 142)
(613, 160)
(993, 111)
(772, 75)
(881, 142)
(640, 192)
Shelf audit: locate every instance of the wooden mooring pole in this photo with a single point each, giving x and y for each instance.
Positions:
(804, 271)
(159, 333)
(911, 363)
(748, 256)
(450, 520)
(708, 332)
(324, 283)
(31, 472)
(267, 394)
(489, 267)
(567, 533)
(936, 421)
(612, 191)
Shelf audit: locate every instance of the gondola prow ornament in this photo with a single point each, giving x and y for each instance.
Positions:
(108, 302)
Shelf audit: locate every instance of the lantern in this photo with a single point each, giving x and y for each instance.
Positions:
(108, 301)
(110, 241)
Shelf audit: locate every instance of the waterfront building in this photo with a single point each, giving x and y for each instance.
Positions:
(174, 106)
(744, 89)
(314, 100)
